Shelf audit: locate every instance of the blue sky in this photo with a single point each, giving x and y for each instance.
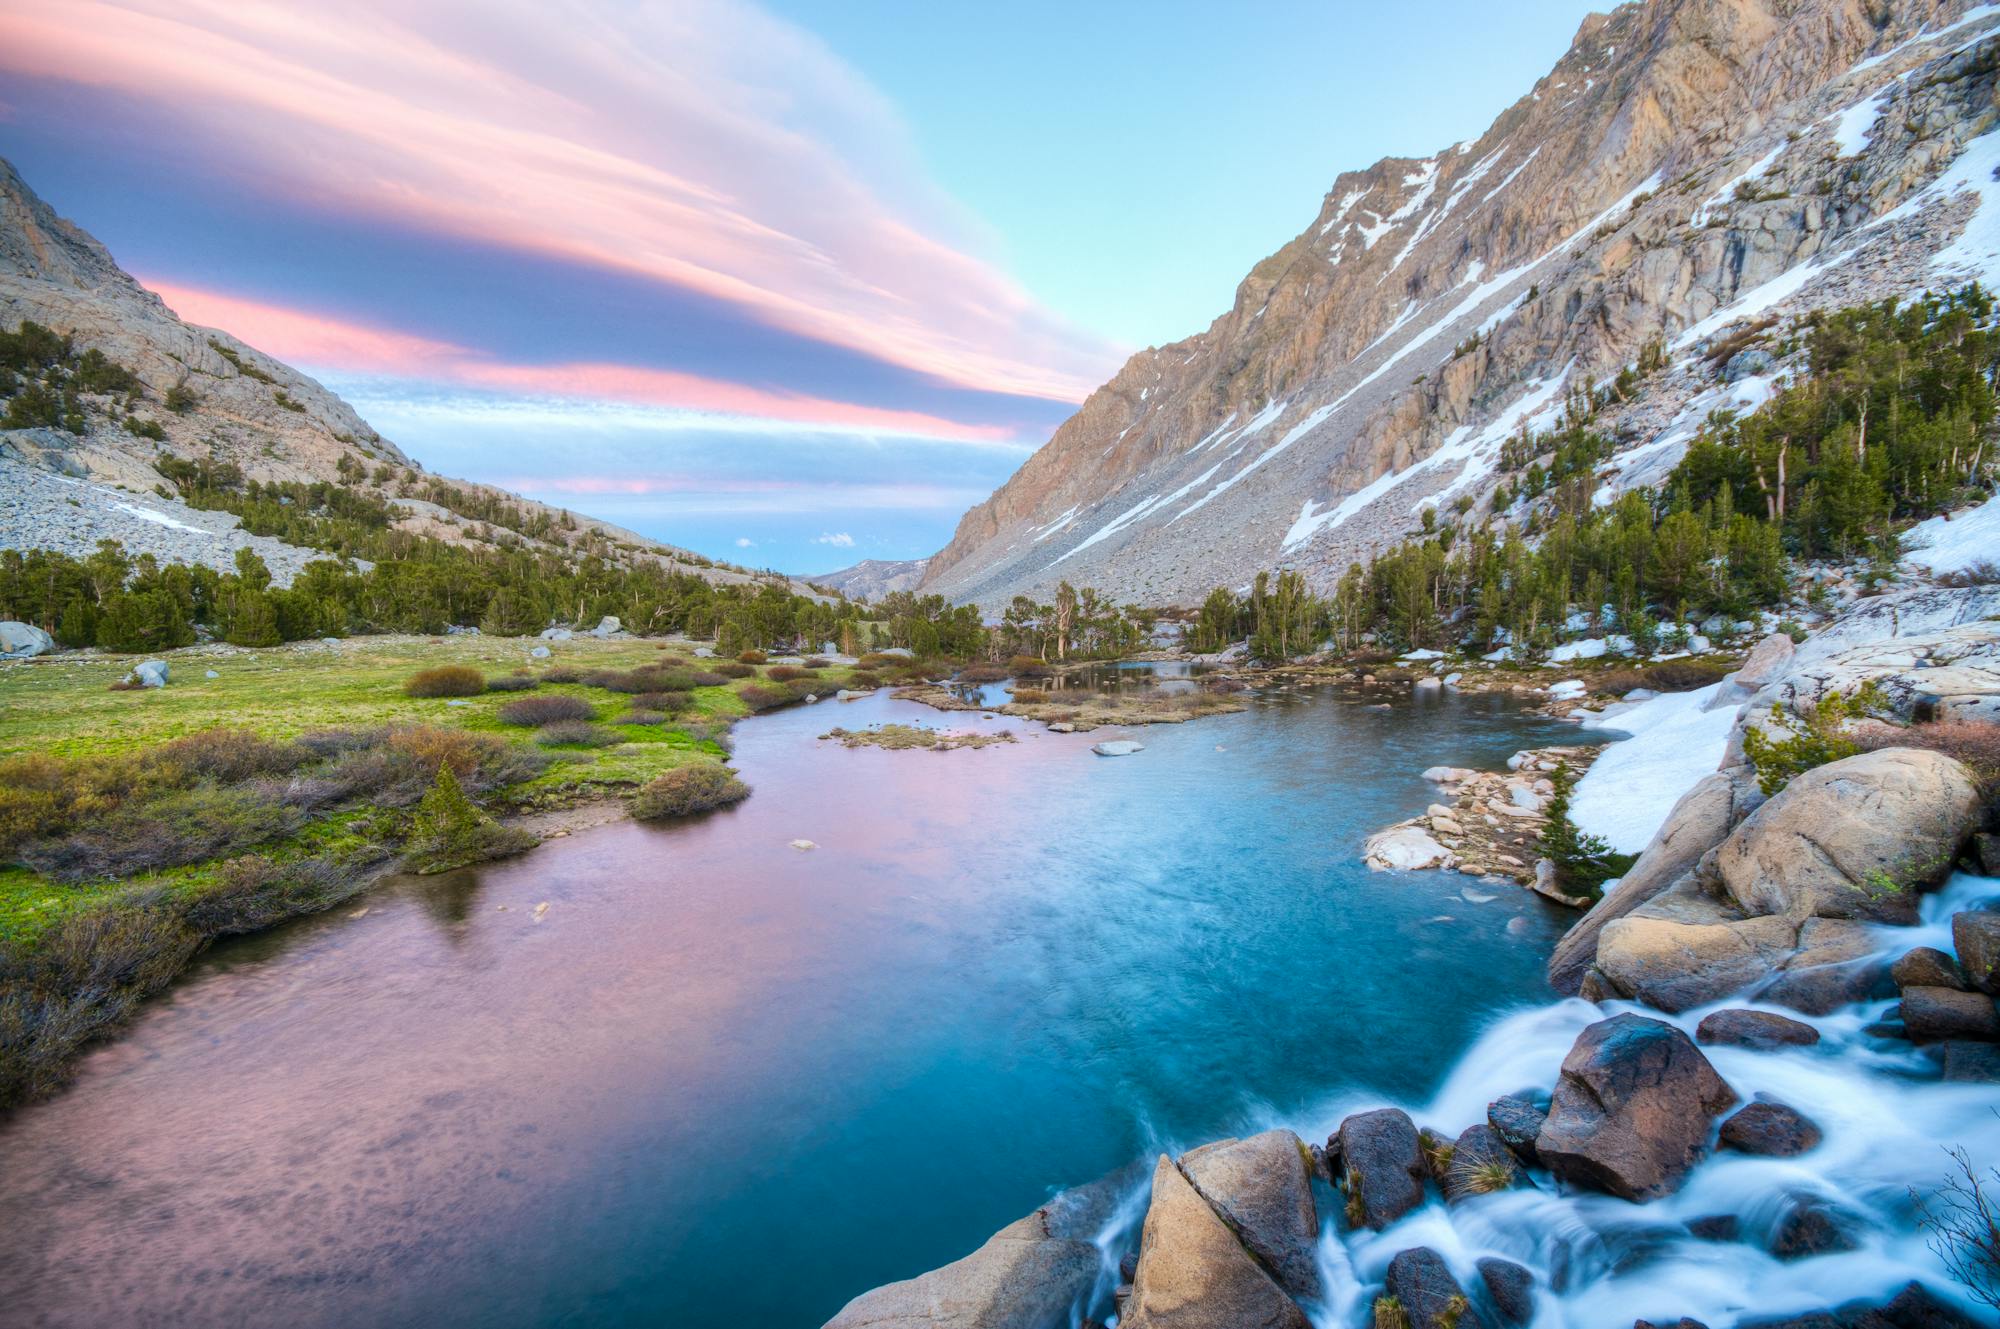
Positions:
(792, 285)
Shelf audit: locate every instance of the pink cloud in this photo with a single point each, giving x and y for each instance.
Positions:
(710, 147)
(325, 342)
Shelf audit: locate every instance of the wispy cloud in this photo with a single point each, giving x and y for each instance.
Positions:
(840, 539)
(317, 341)
(708, 146)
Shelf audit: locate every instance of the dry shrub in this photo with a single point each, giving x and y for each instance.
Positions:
(446, 681)
(1028, 666)
(731, 669)
(574, 734)
(1683, 675)
(715, 678)
(815, 662)
(1618, 682)
(762, 698)
(662, 701)
(788, 673)
(1975, 743)
(877, 660)
(1982, 572)
(513, 683)
(751, 657)
(229, 755)
(562, 674)
(251, 893)
(983, 673)
(643, 717)
(861, 680)
(548, 709)
(169, 830)
(686, 790)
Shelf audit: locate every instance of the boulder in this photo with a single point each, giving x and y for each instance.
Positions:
(1812, 1226)
(1422, 1284)
(1748, 361)
(1380, 1165)
(606, 626)
(1768, 662)
(20, 640)
(1194, 1273)
(1631, 1112)
(1406, 848)
(1935, 1015)
(1117, 747)
(556, 634)
(540, 652)
(1763, 1031)
(1986, 848)
(1675, 965)
(1856, 838)
(1771, 1130)
(1971, 1063)
(1928, 967)
(1510, 1287)
(1698, 823)
(1976, 938)
(1031, 1273)
(150, 674)
(1836, 962)
(1517, 1119)
(1261, 1188)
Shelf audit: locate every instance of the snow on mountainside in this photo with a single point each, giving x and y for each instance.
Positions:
(1686, 166)
(873, 578)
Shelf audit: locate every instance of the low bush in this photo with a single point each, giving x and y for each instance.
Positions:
(686, 790)
(787, 673)
(644, 717)
(759, 698)
(446, 681)
(877, 660)
(228, 755)
(731, 669)
(513, 683)
(574, 734)
(562, 674)
(1982, 572)
(662, 701)
(716, 678)
(1970, 741)
(751, 657)
(1028, 666)
(862, 681)
(984, 673)
(169, 830)
(253, 892)
(550, 708)
(1683, 675)
(816, 662)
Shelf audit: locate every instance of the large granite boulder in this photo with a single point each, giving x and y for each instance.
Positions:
(1030, 1274)
(1698, 823)
(1423, 1286)
(1194, 1274)
(150, 674)
(1856, 838)
(1261, 1188)
(19, 640)
(1768, 662)
(1631, 1112)
(1379, 1162)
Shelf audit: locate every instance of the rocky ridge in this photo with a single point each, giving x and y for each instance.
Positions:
(1688, 165)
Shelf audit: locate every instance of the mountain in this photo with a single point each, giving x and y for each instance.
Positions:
(200, 395)
(873, 578)
(1687, 167)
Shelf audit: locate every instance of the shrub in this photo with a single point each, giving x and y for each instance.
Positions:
(877, 660)
(861, 680)
(1981, 572)
(562, 674)
(788, 673)
(447, 831)
(983, 673)
(643, 717)
(751, 657)
(1027, 666)
(1970, 741)
(228, 755)
(574, 734)
(1807, 741)
(1683, 675)
(252, 893)
(170, 830)
(686, 790)
(662, 701)
(513, 683)
(446, 681)
(715, 678)
(762, 698)
(731, 669)
(549, 708)
(816, 662)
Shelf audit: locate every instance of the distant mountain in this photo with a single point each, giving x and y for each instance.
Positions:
(210, 398)
(873, 578)
(1687, 166)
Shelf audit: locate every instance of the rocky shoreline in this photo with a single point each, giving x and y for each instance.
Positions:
(1798, 937)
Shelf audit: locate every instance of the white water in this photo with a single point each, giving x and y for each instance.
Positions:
(1600, 1262)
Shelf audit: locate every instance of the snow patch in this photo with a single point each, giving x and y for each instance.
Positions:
(160, 518)
(1970, 536)
(1627, 793)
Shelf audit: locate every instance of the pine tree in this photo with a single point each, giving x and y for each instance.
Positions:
(1583, 862)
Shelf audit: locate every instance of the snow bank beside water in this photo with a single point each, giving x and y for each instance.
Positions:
(1971, 536)
(1627, 794)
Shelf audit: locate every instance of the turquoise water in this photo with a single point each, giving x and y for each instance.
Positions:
(726, 1082)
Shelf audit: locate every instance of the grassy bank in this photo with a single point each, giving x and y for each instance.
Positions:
(137, 825)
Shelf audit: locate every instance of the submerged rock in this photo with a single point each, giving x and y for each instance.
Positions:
(1511, 1288)
(1631, 1112)
(1380, 1166)
(1117, 747)
(1194, 1273)
(1261, 1188)
(1915, 1307)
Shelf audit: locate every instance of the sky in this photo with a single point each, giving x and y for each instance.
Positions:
(791, 284)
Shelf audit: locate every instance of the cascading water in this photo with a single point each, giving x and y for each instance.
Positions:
(1598, 1261)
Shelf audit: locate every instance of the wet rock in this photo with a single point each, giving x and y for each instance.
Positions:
(1128, 1266)
(1381, 1166)
(1517, 1119)
(1915, 1307)
(1481, 1163)
(1986, 849)
(1971, 1063)
(1928, 967)
(1771, 1130)
(1760, 1030)
(1631, 1112)
(1423, 1286)
(1676, 964)
(1261, 1188)
(1683, 1323)
(1194, 1273)
(1715, 1227)
(1837, 962)
(1976, 938)
(1935, 1015)
(1811, 1226)
(1032, 1272)
(1511, 1289)
(1854, 839)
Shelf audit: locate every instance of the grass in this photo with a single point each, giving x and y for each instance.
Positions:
(897, 737)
